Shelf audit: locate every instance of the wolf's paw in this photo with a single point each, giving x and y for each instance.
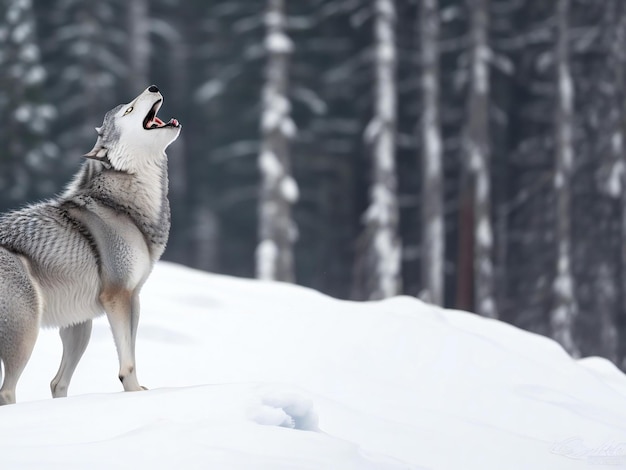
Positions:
(286, 409)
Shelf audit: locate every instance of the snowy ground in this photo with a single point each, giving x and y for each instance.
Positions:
(252, 375)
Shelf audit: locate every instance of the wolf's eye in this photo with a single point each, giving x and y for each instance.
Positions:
(128, 111)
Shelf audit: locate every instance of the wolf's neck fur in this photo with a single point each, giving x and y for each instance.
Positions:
(142, 196)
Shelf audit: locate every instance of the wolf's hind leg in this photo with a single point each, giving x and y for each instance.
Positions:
(20, 313)
(122, 309)
(14, 358)
(75, 339)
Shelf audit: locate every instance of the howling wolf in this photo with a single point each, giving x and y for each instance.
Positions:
(89, 251)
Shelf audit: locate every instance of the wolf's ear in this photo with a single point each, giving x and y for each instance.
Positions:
(100, 154)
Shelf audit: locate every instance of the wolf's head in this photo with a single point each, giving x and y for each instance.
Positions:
(132, 135)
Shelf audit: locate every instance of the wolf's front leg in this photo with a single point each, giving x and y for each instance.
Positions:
(122, 309)
(75, 339)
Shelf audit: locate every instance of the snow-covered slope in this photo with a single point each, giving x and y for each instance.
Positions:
(252, 375)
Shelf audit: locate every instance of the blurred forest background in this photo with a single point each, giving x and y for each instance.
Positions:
(470, 152)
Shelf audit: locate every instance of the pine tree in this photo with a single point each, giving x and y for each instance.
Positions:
(25, 155)
(86, 56)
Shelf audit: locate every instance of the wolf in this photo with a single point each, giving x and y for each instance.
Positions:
(89, 250)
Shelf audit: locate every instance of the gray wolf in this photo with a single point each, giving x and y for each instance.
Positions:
(90, 250)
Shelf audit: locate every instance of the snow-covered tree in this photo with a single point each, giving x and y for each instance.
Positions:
(564, 309)
(87, 59)
(607, 131)
(433, 232)
(478, 153)
(25, 155)
(279, 191)
(381, 217)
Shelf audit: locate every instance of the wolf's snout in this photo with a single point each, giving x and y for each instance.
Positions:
(153, 89)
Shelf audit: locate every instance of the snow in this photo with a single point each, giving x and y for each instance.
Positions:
(274, 19)
(311, 99)
(559, 179)
(432, 151)
(266, 256)
(617, 143)
(270, 165)
(259, 375)
(566, 88)
(289, 190)
(475, 157)
(277, 108)
(386, 9)
(429, 83)
(483, 233)
(388, 264)
(386, 52)
(29, 53)
(35, 75)
(23, 113)
(385, 152)
(563, 284)
(278, 43)
(210, 90)
(481, 69)
(288, 127)
(373, 130)
(382, 205)
(614, 181)
(21, 32)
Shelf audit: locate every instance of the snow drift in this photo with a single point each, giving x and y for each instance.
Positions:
(257, 375)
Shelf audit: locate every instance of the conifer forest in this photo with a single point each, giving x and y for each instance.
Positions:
(467, 152)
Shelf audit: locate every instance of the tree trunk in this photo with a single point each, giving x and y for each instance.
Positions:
(464, 299)
(381, 218)
(277, 231)
(477, 151)
(619, 137)
(138, 46)
(564, 309)
(433, 230)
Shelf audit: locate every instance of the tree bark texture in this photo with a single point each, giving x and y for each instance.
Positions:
(433, 229)
(382, 214)
(564, 308)
(478, 153)
(277, 231)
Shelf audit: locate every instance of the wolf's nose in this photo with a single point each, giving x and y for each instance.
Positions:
(153, 89)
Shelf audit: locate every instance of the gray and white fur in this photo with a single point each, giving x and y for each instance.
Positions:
(89, 251)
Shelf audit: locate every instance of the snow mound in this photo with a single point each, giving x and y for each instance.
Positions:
(190, 428)
(286, 409)
(260, 375)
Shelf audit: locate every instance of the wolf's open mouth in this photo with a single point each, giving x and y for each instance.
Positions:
(151, 121)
